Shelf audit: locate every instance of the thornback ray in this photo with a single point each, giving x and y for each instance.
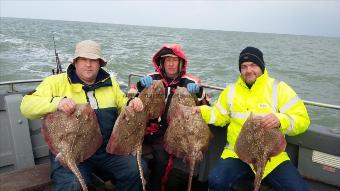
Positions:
(255, 145)
(129, 130)
(187, 135)
(72, 138)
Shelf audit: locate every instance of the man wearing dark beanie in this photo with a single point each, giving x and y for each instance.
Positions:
(252, 54)
(251, 65)
(276, 105)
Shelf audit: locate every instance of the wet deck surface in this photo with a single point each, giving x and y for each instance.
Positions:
(34, 178)
(37, 178)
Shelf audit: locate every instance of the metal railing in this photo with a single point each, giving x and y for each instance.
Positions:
(11, 89)
(16, 82)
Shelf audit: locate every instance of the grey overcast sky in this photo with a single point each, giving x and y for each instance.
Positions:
(317, 18)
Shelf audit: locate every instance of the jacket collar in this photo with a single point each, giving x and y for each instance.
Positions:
(74, 79)
(103, 79)
(259, 81)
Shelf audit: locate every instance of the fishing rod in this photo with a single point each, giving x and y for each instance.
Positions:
(58, 70)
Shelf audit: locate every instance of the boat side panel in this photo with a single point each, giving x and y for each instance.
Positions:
(6, 152)
(318, 138)
(21, 143)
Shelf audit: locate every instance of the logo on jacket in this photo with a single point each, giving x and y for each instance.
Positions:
(263, 105)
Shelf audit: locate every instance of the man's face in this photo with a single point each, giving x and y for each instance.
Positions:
(250, 72)
(171, 66)
(87, 69)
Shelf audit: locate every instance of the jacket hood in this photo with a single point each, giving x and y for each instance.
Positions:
(175, 49)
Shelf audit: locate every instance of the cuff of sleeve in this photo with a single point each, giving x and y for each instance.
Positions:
(200, 95)
(205, 112)
(55, 102)
(284, 121)
(139, 86)
(127, 103)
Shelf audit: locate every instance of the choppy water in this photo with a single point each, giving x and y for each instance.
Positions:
(311, 65)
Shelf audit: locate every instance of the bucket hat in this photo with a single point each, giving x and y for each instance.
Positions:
(89, 49)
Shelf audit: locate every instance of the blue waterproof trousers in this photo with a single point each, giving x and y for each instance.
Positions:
(123, 168)
(231, 171)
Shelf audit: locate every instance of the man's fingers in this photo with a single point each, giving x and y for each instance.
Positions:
(267, 124)
(68, 109)
(67, 105)
(136, 104)
(270, 121)
(195, 110)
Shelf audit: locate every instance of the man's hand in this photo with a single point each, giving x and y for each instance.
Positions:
(67, 105)
(195, 110)
(193, 88)
(270, 121)
(136, 104)
(146, 81)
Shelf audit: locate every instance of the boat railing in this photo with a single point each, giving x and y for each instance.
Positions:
(11, 84)
(11, 89)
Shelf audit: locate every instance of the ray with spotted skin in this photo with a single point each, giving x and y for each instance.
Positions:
(129, 130)
(72, 138)
(187, 135)
(255, 145)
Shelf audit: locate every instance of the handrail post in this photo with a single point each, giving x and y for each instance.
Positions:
(129, 81)
(11, 88)
(130, 76)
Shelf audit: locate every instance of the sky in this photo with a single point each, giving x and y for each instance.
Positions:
(315, 18)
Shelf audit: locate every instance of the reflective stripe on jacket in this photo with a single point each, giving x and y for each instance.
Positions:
(267, 95)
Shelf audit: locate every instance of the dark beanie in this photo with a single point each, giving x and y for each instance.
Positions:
(252, 54)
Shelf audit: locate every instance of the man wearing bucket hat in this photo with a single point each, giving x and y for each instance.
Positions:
(170, 64)
(280, 107)
(87, 82)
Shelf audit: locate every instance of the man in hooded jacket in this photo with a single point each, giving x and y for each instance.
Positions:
(170, 64)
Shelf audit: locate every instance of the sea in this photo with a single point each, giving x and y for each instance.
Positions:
(309, 64)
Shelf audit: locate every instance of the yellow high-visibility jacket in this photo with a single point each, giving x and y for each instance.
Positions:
(267, 95)
(105, 97)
